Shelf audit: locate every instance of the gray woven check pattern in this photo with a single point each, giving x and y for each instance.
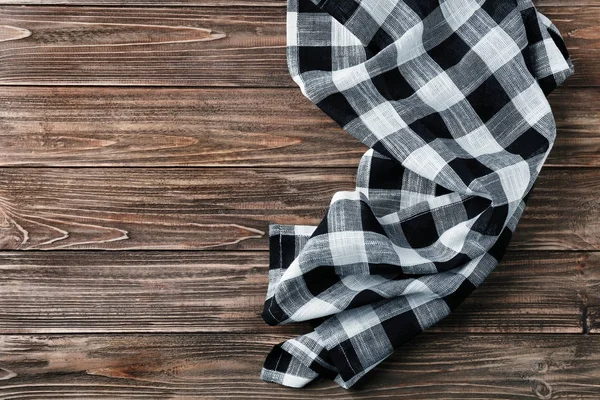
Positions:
(450, 98)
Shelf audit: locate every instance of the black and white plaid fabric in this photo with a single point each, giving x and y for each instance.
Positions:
(450, 98)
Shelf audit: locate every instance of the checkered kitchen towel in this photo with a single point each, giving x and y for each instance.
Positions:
(450, 97)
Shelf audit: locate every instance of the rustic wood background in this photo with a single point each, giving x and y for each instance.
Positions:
(171, 132)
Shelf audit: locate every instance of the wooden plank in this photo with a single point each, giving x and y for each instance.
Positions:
(191, 46)
(60, 292)
(74, 126)
(165, 209)
(577, 116)
(226, 3)
(508, 367)
(530, 292)
(178, 3)
(205, 46)
(565, 201)
(230, 208)
(92, 127)
(591, 297)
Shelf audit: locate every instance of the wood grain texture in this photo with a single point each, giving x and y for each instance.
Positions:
(566, 201)
(591, 300)
(154, 321)
(193, 46)
(75, 292)
(206, 46)
(92, 127)
(230, 208)
(148, 208)
(577, 116)
(228, 3)
(503, 367)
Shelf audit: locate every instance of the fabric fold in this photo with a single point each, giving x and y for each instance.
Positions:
(450, 98)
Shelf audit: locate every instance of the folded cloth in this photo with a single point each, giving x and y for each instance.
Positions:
(450, 98)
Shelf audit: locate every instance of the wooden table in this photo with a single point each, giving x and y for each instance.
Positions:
(171, 132)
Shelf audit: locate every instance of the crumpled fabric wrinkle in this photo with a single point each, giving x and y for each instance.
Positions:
(450, 97)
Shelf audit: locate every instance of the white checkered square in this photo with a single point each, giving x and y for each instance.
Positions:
(457, 12)
(347, 247)
(379, 9)
(479, 142)
(425, 161)
(440, 92)
(350, 77)
(515, 180)
(496, 48)
(532, 104)
(383, 120)
(354, 327)
(410, 45)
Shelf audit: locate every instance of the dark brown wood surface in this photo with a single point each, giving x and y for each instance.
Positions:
(237, 45)
(170, 133)
(93, 127)
(204, 3)
(157, 291)
(432, 366)
(176, 208)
